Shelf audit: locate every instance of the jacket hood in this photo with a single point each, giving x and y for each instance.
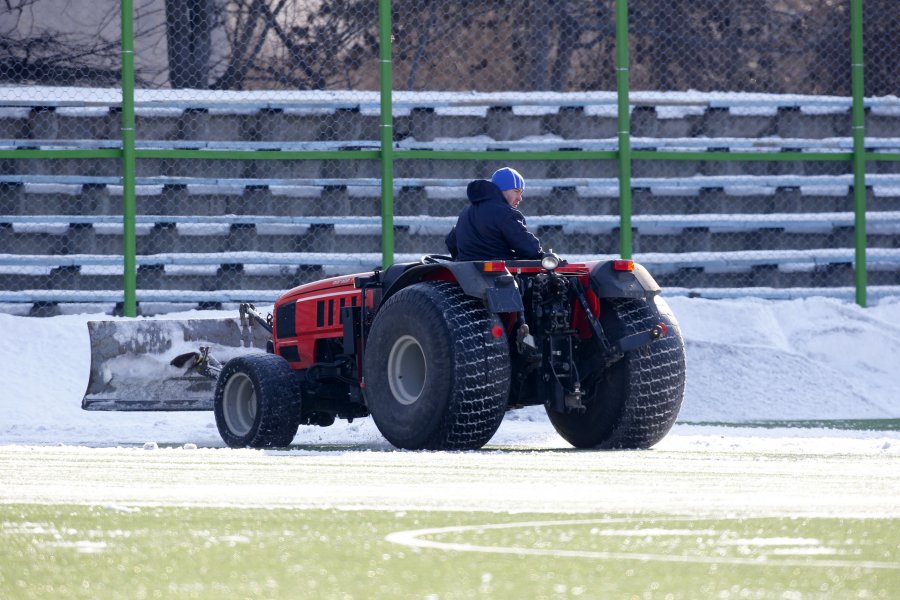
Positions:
(482, 190)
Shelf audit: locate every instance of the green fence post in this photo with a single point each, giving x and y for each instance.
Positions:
(859, 148)
(129, 244)
(624, 120)
(387, 133)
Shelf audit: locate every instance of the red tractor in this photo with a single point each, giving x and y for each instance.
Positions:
(435, 351)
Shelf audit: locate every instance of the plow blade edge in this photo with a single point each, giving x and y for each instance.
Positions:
(131, 361)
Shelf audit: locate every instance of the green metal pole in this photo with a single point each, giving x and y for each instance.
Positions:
(387, 133)
(129, 244)
(625, 238)
(859, 147)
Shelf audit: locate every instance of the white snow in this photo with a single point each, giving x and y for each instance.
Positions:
(748, 360)
(599, 103)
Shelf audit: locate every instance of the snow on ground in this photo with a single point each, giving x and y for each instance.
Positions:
(748, 360)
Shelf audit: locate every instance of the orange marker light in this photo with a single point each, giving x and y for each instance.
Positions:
(494, 266)
(623, 265)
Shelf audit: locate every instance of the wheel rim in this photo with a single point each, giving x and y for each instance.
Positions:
(239, 404)
(407, 370)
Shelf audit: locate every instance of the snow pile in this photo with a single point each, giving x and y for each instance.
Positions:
(748, 360)
(802, 359)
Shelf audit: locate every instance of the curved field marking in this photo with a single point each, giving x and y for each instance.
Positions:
(412, 538)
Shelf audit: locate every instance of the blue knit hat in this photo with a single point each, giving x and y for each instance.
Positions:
(508, 179)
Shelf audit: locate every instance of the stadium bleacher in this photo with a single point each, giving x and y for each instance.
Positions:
(247, 229)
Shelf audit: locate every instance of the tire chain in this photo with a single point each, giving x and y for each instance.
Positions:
(483, 383)
(657, 377)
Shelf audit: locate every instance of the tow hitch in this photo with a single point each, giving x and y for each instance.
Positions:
(615, 351)
(641, 338)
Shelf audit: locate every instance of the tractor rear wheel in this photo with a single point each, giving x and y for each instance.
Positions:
(437, 369)
(257, 402)
(635, 402)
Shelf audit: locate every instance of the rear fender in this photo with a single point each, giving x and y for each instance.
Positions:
(607, 282)
(497, 290)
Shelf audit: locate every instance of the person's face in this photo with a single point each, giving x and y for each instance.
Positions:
(513, 197)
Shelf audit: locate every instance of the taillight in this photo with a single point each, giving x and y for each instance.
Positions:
(493, 266)
(623, 265)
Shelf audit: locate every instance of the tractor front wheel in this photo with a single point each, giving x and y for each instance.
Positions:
(257, 402)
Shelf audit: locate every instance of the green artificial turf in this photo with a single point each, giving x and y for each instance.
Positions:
(135, 552)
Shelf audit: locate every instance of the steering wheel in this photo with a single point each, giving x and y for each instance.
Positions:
(433, 259)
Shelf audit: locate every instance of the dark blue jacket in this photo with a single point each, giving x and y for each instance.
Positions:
(489, 228)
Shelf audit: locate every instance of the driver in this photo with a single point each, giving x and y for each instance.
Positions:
(491, 227)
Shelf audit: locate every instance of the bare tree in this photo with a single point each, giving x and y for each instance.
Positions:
(882, 39)
(789, 46)
(29, 53)
(277, 42)
(751, 45)
(189, 26)
(498, 44)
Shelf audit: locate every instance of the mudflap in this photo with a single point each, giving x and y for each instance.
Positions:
(132, 361)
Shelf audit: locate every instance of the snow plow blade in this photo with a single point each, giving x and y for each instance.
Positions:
(142, 365)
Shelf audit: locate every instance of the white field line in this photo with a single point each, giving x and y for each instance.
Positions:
(413, 539)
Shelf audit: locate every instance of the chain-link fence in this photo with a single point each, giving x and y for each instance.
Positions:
(242, 78)
(59, 93)
(751, 85)
(260, 163)
(774, 49)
